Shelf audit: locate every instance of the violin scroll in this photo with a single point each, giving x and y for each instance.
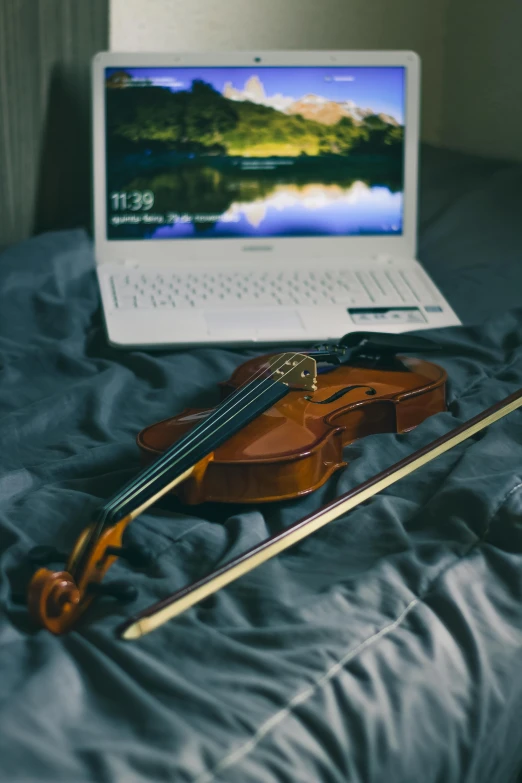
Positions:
(56, 599)
(52, 599)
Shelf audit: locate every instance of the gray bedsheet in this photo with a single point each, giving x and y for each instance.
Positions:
(386, 647)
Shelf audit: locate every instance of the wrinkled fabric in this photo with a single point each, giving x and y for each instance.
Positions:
(385, 647)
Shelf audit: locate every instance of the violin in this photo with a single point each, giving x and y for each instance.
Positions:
(278, 433)
(293, 447)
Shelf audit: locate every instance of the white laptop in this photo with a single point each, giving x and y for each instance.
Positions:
(263, 197)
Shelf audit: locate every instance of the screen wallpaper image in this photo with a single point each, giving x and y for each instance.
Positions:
(254, 152)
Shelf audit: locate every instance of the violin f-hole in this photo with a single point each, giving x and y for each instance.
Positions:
(371, 391)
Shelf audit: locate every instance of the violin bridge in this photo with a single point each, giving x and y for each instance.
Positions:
(296, 370)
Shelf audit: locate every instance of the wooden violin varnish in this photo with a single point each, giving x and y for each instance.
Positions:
(294, 446)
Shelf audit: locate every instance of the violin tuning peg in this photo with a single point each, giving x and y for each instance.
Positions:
(42, 555)
(121, 591)
(137, 558)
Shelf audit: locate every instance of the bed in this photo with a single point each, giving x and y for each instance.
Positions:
(385, 647)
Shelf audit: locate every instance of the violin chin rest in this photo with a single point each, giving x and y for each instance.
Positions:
(382, 343)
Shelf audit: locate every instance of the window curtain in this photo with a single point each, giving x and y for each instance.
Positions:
(45, 169)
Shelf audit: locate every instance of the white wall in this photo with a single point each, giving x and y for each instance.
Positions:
(482, 105)
(202, 25)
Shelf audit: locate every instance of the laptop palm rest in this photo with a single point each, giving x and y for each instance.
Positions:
(253, 323)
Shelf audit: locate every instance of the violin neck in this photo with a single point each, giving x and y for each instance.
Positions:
(227, 419)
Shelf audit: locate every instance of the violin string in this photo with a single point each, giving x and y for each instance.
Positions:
(185, 439)
(157, 470)
(147, 479)
(131, 492)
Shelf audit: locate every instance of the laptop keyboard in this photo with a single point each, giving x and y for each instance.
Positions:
(163, 290)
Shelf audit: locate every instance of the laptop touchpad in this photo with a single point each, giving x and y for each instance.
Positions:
(253, 323)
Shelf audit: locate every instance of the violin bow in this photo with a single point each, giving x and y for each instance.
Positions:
(164, 610)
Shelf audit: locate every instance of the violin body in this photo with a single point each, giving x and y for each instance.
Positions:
(294, 447)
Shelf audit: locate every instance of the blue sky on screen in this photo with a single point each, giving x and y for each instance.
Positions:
(380, 89)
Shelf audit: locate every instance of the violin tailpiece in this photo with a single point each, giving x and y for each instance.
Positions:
(295, 370)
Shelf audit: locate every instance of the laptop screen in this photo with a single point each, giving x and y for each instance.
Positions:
(239, 152)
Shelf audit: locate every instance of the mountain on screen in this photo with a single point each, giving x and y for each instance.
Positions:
(201, 119)
(311, 106)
